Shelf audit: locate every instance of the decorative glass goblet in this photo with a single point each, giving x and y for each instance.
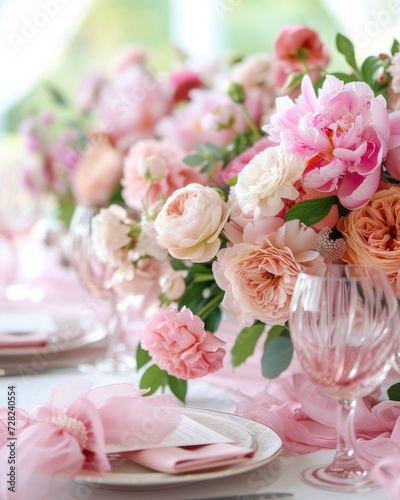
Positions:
(94, 275)
(343, 325)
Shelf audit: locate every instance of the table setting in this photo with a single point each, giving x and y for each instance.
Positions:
(200, 296)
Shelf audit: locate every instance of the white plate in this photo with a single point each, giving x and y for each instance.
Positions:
(69, 334)
(127, 475)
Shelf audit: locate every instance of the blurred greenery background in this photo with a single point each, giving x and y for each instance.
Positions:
(244, 27)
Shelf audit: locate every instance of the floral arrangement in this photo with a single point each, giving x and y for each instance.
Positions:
(219, 188)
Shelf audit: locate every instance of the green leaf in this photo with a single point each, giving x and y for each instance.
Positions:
(153, 378)
(394, 392)
(310, 212)
(142, 357)
(370, 68)
(246, 342)
(213, 320)
(275, 332)
(293, 81)
(178, 265)
(395, 47)
(344, 77)
(214, 150)
(345, 47)
(193, 297)
(193, 160)
(232, 181)
(56, 95)
(178, 387)
(277, 356)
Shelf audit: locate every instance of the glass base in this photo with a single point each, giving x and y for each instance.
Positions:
(324, 477)
(117, 363)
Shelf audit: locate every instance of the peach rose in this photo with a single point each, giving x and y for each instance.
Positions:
(190, 223)
(178, 343)
(372, 233)
(98, 174)
(259, 279)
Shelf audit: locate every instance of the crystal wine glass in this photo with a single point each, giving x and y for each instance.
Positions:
(94, 275)
(343, 328)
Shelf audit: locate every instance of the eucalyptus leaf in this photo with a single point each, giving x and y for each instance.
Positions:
(310, 212)
(246, 342)
(193, 160)
(153, 378)
(346, 47)
(142, 357)
(56, 95)
(178, 387)
(277, 356)
(394, 392)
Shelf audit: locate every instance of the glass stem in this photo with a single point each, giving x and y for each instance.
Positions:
(346, 460)
(116, 326)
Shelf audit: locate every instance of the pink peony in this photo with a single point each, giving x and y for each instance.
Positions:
(154, 169)
(259, 278)
(209, 116)
(178, 343)
(296, 46)
(343, 135)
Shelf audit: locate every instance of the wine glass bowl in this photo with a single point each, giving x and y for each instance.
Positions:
(343, 328)
(94, 276)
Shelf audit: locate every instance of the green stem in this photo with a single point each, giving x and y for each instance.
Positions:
(253, 127)
(210, 306)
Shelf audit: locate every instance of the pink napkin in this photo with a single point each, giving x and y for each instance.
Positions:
(34, 339)
(176, 460)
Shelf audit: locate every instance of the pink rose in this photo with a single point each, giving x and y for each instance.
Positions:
(209, 116)
(259, 278)
(154, 169)
(178, 343)
(184, 81)
(98, 173)
(342, 134)
(294, 45)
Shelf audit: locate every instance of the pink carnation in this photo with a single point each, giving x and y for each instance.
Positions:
(343, 135)
(155, 168)
(178, 343)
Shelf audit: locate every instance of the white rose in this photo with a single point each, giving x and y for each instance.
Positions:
(190, 223)
(110, 235)
(267, 179)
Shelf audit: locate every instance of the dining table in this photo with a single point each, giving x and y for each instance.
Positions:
(56, 290)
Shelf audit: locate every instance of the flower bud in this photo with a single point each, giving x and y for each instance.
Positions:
(236, 92)
(152, 167)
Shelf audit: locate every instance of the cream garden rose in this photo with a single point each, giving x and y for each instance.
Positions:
(190, 223)
(268, 179)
